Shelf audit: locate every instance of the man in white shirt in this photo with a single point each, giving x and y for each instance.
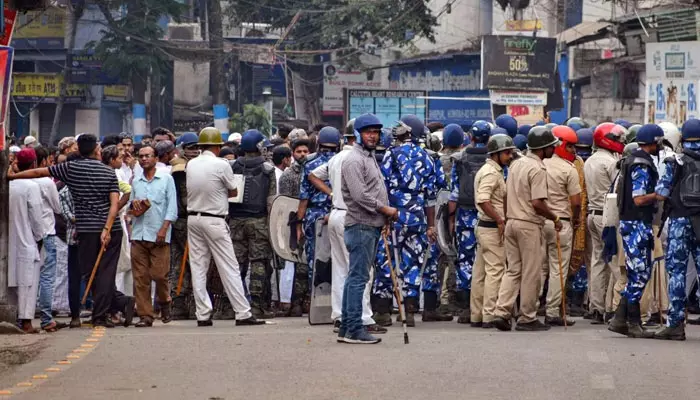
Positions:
(26, 230)
(50, 206)
(333, 172)
(165, 151)
(282, 159)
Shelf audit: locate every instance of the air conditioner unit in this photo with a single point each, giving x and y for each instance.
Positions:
(184, 31)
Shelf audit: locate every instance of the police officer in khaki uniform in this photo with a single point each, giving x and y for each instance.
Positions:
(526, 213)
(210, 183)
(490, 194)
(565, 201)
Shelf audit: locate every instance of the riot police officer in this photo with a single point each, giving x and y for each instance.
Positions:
(637, 204)
(248, 220)
(678, 187)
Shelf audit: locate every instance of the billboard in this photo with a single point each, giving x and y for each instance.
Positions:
(41, 29)
(673, 78)
(518, 63)
(6, 54)
(46, 88)
(335, 79)
(452, 110)
(388, 105)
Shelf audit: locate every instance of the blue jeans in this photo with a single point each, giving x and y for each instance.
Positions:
(47, 278)
(361, 241)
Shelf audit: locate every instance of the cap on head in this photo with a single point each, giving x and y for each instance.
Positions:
(251, 139)
(649, 134)
(452, 135)
(509, 123)
(26, 156)
(499, 142)
(29, 140)
(210, 136)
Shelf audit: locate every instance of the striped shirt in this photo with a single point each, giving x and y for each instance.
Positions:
(363, 188)
(90, 183)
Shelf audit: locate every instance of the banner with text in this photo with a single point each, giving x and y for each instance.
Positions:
(518, 63)
(6, 55)
(41, 29)
(509, 97)
(46, 88)
(336, 79)
(388, 105)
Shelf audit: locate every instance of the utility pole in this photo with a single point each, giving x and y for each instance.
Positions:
(8, 301)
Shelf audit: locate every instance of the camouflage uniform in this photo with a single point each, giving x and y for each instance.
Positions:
(183, 303)
(409, 173)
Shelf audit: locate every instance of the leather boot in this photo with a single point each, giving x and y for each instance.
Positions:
(258, 310)
(284, 310)
(619, 322)
(382, 311)
(576, 307)
(411, 307)
(634, 323)
(671, 333)
(462, 302)
(430, 311)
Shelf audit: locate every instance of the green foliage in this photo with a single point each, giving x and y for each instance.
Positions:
(253, 117)
(341, 24)
(129, 44)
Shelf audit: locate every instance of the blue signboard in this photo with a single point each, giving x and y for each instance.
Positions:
(388, 105)
(87, 69)
(461, 112)
(268, 75)
(559, 116)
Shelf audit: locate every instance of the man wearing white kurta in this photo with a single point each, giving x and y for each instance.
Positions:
(332, 171)
(26, 229)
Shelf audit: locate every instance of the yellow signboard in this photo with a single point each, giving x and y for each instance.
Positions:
(50, 23)
(116, 92)
(43, 87)
(524, 25)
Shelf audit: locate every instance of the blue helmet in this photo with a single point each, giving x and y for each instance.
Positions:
(188, 139)
(623, 123)
(649, 134)
(366, 121)
(540, 123)
(691, 130)
(385, 139)
(452, 135)
(329, 136)
(585, 137)
(416, 125)
(250, 140)
(481, 130)
(520, 141)
(524, 130)
(508, 123)
(499, 131)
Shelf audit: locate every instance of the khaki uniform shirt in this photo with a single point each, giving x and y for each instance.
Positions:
(490, 185)
(208, 181)
(562, 183)
(600, 171)
(527, 181)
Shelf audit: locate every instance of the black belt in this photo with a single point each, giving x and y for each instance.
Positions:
(339, 209)
(203, 214)
(565, 219)
(595, 212)
(488, 224)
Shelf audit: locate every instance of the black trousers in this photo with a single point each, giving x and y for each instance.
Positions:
(74, 278)
(105, 296)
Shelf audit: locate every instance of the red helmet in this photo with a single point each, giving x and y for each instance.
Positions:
(608, 136)
(567, 136)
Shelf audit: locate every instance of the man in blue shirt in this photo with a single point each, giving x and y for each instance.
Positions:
(154, 208)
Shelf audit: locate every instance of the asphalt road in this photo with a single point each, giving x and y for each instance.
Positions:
(292, 360)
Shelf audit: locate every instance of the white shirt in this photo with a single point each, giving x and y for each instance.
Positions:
(50, 204)
(208, 181)
(333, 172)
(278, 173)
(161, 167)
(26, 229)
(125, 173)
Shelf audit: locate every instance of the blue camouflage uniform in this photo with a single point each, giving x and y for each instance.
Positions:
(579, 283)
(431, 279)
(680, 245)
(638, 239)
(319, 203)
(465, 225)
(410, 179)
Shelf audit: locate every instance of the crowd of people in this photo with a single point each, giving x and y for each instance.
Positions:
(491, 223)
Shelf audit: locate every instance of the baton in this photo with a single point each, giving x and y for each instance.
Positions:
(185, 255)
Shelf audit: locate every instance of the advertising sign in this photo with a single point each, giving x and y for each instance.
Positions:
(518, 63)
(388, 105)
(41, 29)
(29, 87)
(10, 18)
(461, 112)
(87, 69)
(335, 80)
(6, 54)
(673, 60)
(116, 93)
(509, 97)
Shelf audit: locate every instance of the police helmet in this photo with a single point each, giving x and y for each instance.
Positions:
(413, 125)
(366, 121)
(585, 137)
(350, 129)
(520, 141)
(499, 142)
(524, 130)
(499, 131)
(691, 130)
(481, 130)
(541, 137)
(210, 136)
(187, 139)
(250, 140)
(508, 123)
(329, 136)
(629, 148)
(649, 134)
(632, 133)
(452, 135)
(671, 134)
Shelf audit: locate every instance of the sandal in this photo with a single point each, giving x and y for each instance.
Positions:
(50, 327)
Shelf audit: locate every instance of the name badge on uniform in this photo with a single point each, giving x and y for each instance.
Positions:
(239, 182)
